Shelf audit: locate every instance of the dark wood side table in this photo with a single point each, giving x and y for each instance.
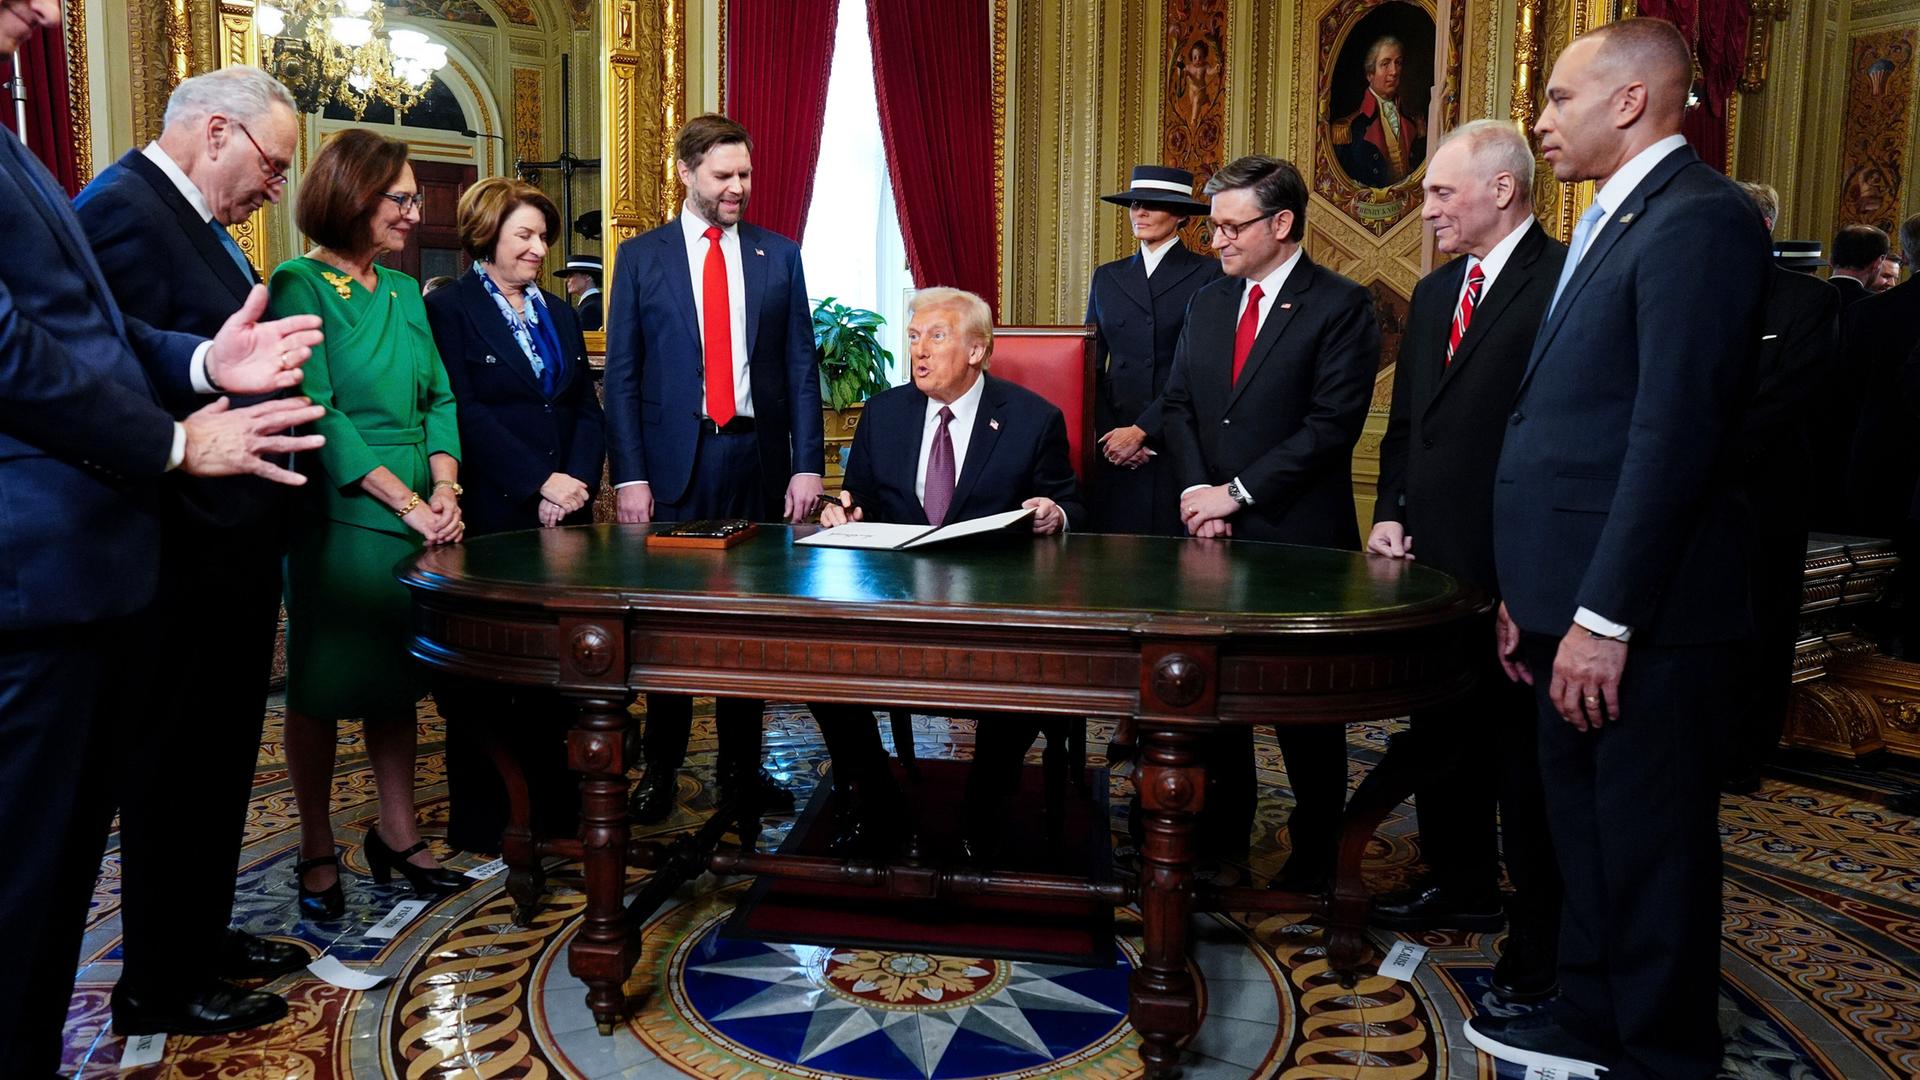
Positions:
(1181, 635)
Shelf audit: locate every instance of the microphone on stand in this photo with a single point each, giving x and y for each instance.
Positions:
(17, 86)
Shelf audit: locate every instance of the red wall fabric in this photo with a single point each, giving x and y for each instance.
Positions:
(779, 55)
(1718, 29)
(933, 63)
(49, 128)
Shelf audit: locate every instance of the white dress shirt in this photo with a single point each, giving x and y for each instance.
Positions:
(959, 430)
(1491, 266)
(197, 368)
(1150, 256)
(695, 228)
(1609, 198)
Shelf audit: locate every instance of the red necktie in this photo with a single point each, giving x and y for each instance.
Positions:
(717, 313)
(1464, 315)
(1249, 329)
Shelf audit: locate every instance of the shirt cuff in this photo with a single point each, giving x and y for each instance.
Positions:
(809, 474)
(1243, 490)
(178, 453)
(197, 370)
(1601, 626)
(1197, 487)
(628, 484)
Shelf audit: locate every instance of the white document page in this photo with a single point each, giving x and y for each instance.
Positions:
(958, 529)
(876, 535)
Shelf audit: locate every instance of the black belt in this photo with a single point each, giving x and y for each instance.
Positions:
(739, 425)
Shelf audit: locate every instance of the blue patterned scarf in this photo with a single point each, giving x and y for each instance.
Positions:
(533, 329)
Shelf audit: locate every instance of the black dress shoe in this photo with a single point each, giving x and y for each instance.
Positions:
(1427, 906)
(759, 784)
(209, 1008)
(327, 903)
(435, 881)
(1527, 971)
(652, 801)
(1535, 1040)
(244, 956)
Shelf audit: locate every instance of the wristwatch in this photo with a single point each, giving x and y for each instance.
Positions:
(1238, 493)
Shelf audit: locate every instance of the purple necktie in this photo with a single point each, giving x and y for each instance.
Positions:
(939, 497)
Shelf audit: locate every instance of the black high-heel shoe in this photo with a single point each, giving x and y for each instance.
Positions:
(327, 903)
(382, 861)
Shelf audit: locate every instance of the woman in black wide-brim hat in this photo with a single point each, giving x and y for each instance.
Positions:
(1137, 305)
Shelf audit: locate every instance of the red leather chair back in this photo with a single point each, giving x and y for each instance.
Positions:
(1055, 362)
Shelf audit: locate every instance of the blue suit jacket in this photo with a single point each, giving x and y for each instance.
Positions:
(512, 435)
(1618, 485)
(82, 433)
(136, 220)
(1018, 450)
(654, 381)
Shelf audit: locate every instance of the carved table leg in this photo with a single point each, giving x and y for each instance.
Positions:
(525, 878)
(600, 955)
(1163, 1006)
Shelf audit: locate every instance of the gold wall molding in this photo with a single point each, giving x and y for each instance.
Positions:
(1195, 74)
(234, 43)
(528, 130)
(644, 49)
(79, 103)
(999, 153)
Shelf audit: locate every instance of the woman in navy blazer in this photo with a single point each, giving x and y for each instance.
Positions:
(530, 426)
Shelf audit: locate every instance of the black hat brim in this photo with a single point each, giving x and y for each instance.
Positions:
(1160, 200)
(569, 271)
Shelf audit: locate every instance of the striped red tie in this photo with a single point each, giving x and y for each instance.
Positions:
(1475, 278)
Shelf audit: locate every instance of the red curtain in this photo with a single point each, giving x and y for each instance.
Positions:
(43, 56)
(933, 62)
(779, 55)
(1718, 30)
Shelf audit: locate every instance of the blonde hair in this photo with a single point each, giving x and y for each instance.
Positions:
(976, 318)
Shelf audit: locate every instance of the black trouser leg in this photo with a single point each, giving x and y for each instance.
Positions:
(1525, 840)
(1000, 746)
(664, 740)
(1633, 808)
(1226, 817)
(180, 843)
(737, 728)
(1316, 760)
(853, 743)
(55, 806)
(1766, 662)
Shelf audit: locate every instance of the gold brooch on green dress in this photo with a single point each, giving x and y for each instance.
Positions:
(341, 283)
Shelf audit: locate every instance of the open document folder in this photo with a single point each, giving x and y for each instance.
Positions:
(884, 537)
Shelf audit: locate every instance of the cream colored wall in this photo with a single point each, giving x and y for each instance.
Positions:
(109, 84)
(1790, 130)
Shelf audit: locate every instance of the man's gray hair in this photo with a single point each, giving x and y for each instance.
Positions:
(242, 92)
(976, 318)
(1373, 51)
(1910, 241)
(1497, 148)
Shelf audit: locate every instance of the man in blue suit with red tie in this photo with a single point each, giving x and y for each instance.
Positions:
(712, 406)
(84, 442)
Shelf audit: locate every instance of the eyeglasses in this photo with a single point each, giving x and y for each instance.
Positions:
(1231, 229)
(276, 174)
(415, 201)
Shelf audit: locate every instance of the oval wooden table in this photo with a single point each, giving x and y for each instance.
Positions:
(1181, 635)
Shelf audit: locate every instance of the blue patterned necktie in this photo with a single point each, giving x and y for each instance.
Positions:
(233, 249)
(1582, 233)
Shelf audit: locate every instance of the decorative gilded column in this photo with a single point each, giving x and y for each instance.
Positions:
(644, 52)
(234, 43)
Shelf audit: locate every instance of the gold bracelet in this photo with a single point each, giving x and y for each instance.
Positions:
(413, 500)
(457, 489)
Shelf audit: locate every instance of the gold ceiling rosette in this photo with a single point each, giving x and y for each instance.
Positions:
(341, 51)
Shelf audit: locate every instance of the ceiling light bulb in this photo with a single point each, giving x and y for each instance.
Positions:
(407, 44)
(353, 33)
(360, 81)
(434, 58)
(269, 20)
(356, 8)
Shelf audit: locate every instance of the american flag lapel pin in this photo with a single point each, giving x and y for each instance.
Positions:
(994, 424)
(759, 252)
(1286, 307)
(1626, 219)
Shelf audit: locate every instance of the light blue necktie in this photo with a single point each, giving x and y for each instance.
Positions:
(1582, 233)
(233, 249)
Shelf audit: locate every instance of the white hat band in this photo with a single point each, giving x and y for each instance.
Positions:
(1164, 185)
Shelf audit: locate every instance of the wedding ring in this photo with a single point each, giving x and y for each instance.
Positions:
(1591, 700)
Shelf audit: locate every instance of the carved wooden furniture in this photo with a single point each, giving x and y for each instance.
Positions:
(1848, 699)
(1180, 635)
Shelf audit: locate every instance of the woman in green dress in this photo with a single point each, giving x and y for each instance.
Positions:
(384, 485)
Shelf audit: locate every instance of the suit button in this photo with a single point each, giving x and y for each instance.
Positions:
(1225, 422)
(1427, 443)
(547, 408)
(1516, 418)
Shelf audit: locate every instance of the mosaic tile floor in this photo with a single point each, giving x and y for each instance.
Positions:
(1822, 931)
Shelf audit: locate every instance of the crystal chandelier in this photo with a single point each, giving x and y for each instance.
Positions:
(341, 50)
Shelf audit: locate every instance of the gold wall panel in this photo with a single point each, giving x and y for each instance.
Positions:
(644, 52)
(529, 128)
(1193, 100)
(79, 107)
(1874, 150)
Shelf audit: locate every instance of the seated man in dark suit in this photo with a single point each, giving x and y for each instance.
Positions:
(954, 445)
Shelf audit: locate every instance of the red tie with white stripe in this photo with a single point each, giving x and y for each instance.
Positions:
(1464, 314)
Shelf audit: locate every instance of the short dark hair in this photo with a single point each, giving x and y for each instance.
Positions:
(1857, 247)
(1275, 183)
(343, 186)
(485, 207)
(703, 133)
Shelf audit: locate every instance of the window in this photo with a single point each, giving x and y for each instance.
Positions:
(853, 250)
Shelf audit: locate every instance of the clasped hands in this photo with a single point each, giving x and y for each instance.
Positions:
(253, 357)
(1048, 518)
(1205, 510)
(1126, 446)
(437, 519)
(559, 496)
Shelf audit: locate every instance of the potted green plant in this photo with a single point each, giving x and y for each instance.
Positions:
(853, 365)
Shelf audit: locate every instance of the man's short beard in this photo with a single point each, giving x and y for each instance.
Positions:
(709, 210)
